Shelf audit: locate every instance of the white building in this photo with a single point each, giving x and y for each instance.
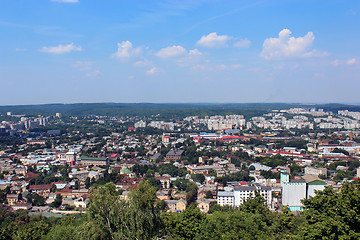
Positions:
(226, 198)
(243, 193)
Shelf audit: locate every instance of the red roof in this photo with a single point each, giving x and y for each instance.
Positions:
(39, 187)
(31, 175)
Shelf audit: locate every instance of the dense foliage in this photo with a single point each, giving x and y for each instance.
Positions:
(328, 215)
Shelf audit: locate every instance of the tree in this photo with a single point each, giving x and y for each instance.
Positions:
(198, 177)
(36, 199)
(186, 224)
(53, 188)
(57, 202)
(32, 231)
(136, 218)
(208, 195)
(333, 214)
(87, 183)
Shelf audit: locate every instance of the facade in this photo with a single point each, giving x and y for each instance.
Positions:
(33, 142)
(243, 193)
(165, 181)
(176, 205)
(204, 204)
(84, 160)
(226, 198)
(295, 190)
(174, 155)
(315, 171)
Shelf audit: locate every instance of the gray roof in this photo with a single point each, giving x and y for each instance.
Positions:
(252, 188)
(225, 194)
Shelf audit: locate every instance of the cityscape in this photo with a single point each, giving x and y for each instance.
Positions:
(51, 165)
(179, 120)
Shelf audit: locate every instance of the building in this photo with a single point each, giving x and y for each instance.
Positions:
(12, 199)
(295, 190)
(174, 155)
(176, 205)
(204, 204)
(165, 181)
(33, 142)
(85, 160)
(226, 198)
(42, 190)
(315, 171)
(243, 193)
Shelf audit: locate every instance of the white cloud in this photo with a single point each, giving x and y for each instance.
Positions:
(126, 50)
(351, 61)
(213, 40)
(227, 67)
(286, 46)
(335, 63)
(173, 51)
(142, 63)
(20, 49)
(82, 65)
(195, 52)
(93, 73)
(152, 71)
(243, 43)
(66, 1)
(60, 49)
(220, 67)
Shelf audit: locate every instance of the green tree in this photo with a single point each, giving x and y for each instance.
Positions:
(137, 218)
(57, 202)
(335, 215)
(186, 224)
(32, 231)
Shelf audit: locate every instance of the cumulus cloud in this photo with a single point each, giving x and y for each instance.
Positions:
(287, 46)
(60, 49)
(142, 63)
(213, 40)
(66, 1)
(173, 51)
(243, 43)
(152, 71)
(126, 50)
(351, 61)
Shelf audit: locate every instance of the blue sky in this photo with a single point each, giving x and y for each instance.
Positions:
(68, 51)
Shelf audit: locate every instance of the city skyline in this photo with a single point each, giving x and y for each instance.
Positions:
(70, 51)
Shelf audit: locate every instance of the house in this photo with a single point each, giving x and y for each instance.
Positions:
(33, 142)
(81, 202)
(204, 204)
(165, 181)
(174, 155)
(315, 171)
(85, 160)
(22, 205)
(162, 195)
(12, 199)
(42, 190)
(176, 205)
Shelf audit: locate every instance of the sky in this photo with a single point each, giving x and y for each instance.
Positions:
(86, 51)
